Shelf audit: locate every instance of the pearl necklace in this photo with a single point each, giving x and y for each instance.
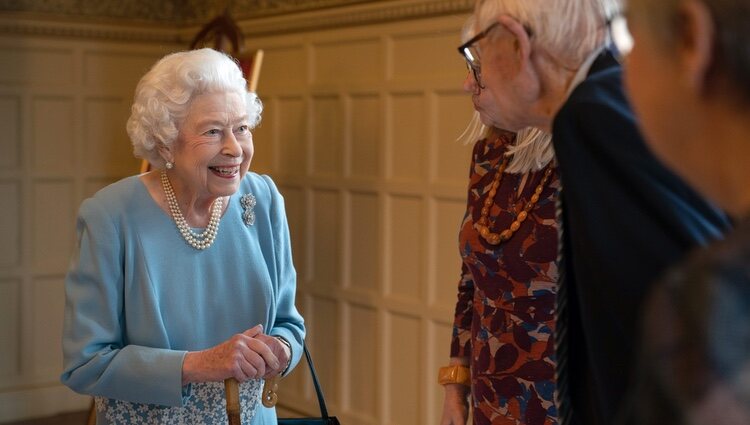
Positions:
(198, 241)
(484, 227)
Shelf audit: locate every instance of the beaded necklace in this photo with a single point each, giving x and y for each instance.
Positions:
(483, 224)
(198, 241)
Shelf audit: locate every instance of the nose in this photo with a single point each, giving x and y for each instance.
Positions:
(470, 84)
(231, 146)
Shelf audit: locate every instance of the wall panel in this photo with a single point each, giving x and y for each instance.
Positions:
(10, 334)
(107, 70)
(404, 371)
(292, 136)
(364, 242)
(10, 224)
(53, 135)
(454, 111)
(327, 132)
(325, 256)
(54, 225)
(426, 55)
(445, 260)
(107, 147)
(37, 66)
(362, 385)
(405, 247)
(48, 295)
(408, 137)
(348, 61)
(10, 121)
(365, 138)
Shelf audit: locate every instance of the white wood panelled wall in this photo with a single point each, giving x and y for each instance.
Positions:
(359, 131)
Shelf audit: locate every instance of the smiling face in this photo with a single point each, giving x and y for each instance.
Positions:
(214, 147)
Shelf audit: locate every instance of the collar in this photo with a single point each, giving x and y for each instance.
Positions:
(600, 59)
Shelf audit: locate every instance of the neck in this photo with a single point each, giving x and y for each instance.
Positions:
(196, 209)
(554, 88)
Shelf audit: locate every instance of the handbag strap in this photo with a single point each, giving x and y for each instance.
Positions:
(318, 390)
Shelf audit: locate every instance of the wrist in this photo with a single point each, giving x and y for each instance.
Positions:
(454, 374)
(288, 348)
(456, 392)
(188, 367)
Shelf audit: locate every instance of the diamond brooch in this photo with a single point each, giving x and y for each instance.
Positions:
(248, 208)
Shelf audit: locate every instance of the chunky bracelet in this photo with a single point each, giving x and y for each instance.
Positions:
(289, 360)
(455, 374)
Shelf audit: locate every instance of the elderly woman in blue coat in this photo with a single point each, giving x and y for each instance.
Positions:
(183, 276)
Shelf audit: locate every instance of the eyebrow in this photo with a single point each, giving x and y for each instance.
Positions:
(211, 121)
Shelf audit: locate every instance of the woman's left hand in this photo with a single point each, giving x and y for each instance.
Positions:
(280, 350)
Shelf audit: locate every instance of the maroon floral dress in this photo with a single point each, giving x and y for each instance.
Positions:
(504, 319)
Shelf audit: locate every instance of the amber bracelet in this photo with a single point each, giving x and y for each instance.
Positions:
(455, 374)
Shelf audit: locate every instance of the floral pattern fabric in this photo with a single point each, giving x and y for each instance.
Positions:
(504, 320)
(206, 404)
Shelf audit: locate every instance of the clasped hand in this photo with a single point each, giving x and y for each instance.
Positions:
(247, 355)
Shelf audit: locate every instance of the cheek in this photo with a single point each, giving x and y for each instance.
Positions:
(648, 93)
(248, 150)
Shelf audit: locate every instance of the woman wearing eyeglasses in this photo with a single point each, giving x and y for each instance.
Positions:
(506, 295)
(538, 340)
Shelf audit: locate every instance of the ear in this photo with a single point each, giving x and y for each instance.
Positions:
(522, 43)
(695, 40)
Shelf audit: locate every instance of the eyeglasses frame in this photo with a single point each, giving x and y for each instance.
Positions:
(463, 50)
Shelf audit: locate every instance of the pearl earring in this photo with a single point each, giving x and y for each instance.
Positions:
(169, 165)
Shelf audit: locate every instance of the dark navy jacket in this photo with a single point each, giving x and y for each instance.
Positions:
(626, 218)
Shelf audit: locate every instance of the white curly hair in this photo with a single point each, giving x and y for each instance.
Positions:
(163, 96)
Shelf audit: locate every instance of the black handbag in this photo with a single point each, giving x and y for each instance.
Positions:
(324, 419)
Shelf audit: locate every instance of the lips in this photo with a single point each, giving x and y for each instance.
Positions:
(225, 171)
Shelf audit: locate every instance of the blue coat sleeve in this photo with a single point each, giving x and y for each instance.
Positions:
(97, 359)
(288, 323)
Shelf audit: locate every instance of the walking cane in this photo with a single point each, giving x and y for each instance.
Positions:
(232, 389)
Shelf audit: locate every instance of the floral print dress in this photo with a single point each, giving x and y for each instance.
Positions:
(504, 320)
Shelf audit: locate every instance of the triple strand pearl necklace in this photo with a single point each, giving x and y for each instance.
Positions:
(199, 241)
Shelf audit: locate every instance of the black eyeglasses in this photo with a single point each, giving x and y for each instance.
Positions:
(471, 54)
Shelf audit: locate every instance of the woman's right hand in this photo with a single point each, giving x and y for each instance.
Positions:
(455, 405)
(242, 357)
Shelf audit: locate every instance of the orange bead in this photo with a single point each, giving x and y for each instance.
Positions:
(514, 226)
(522, 216)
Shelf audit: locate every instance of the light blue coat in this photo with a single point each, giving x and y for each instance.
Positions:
(138, 297)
